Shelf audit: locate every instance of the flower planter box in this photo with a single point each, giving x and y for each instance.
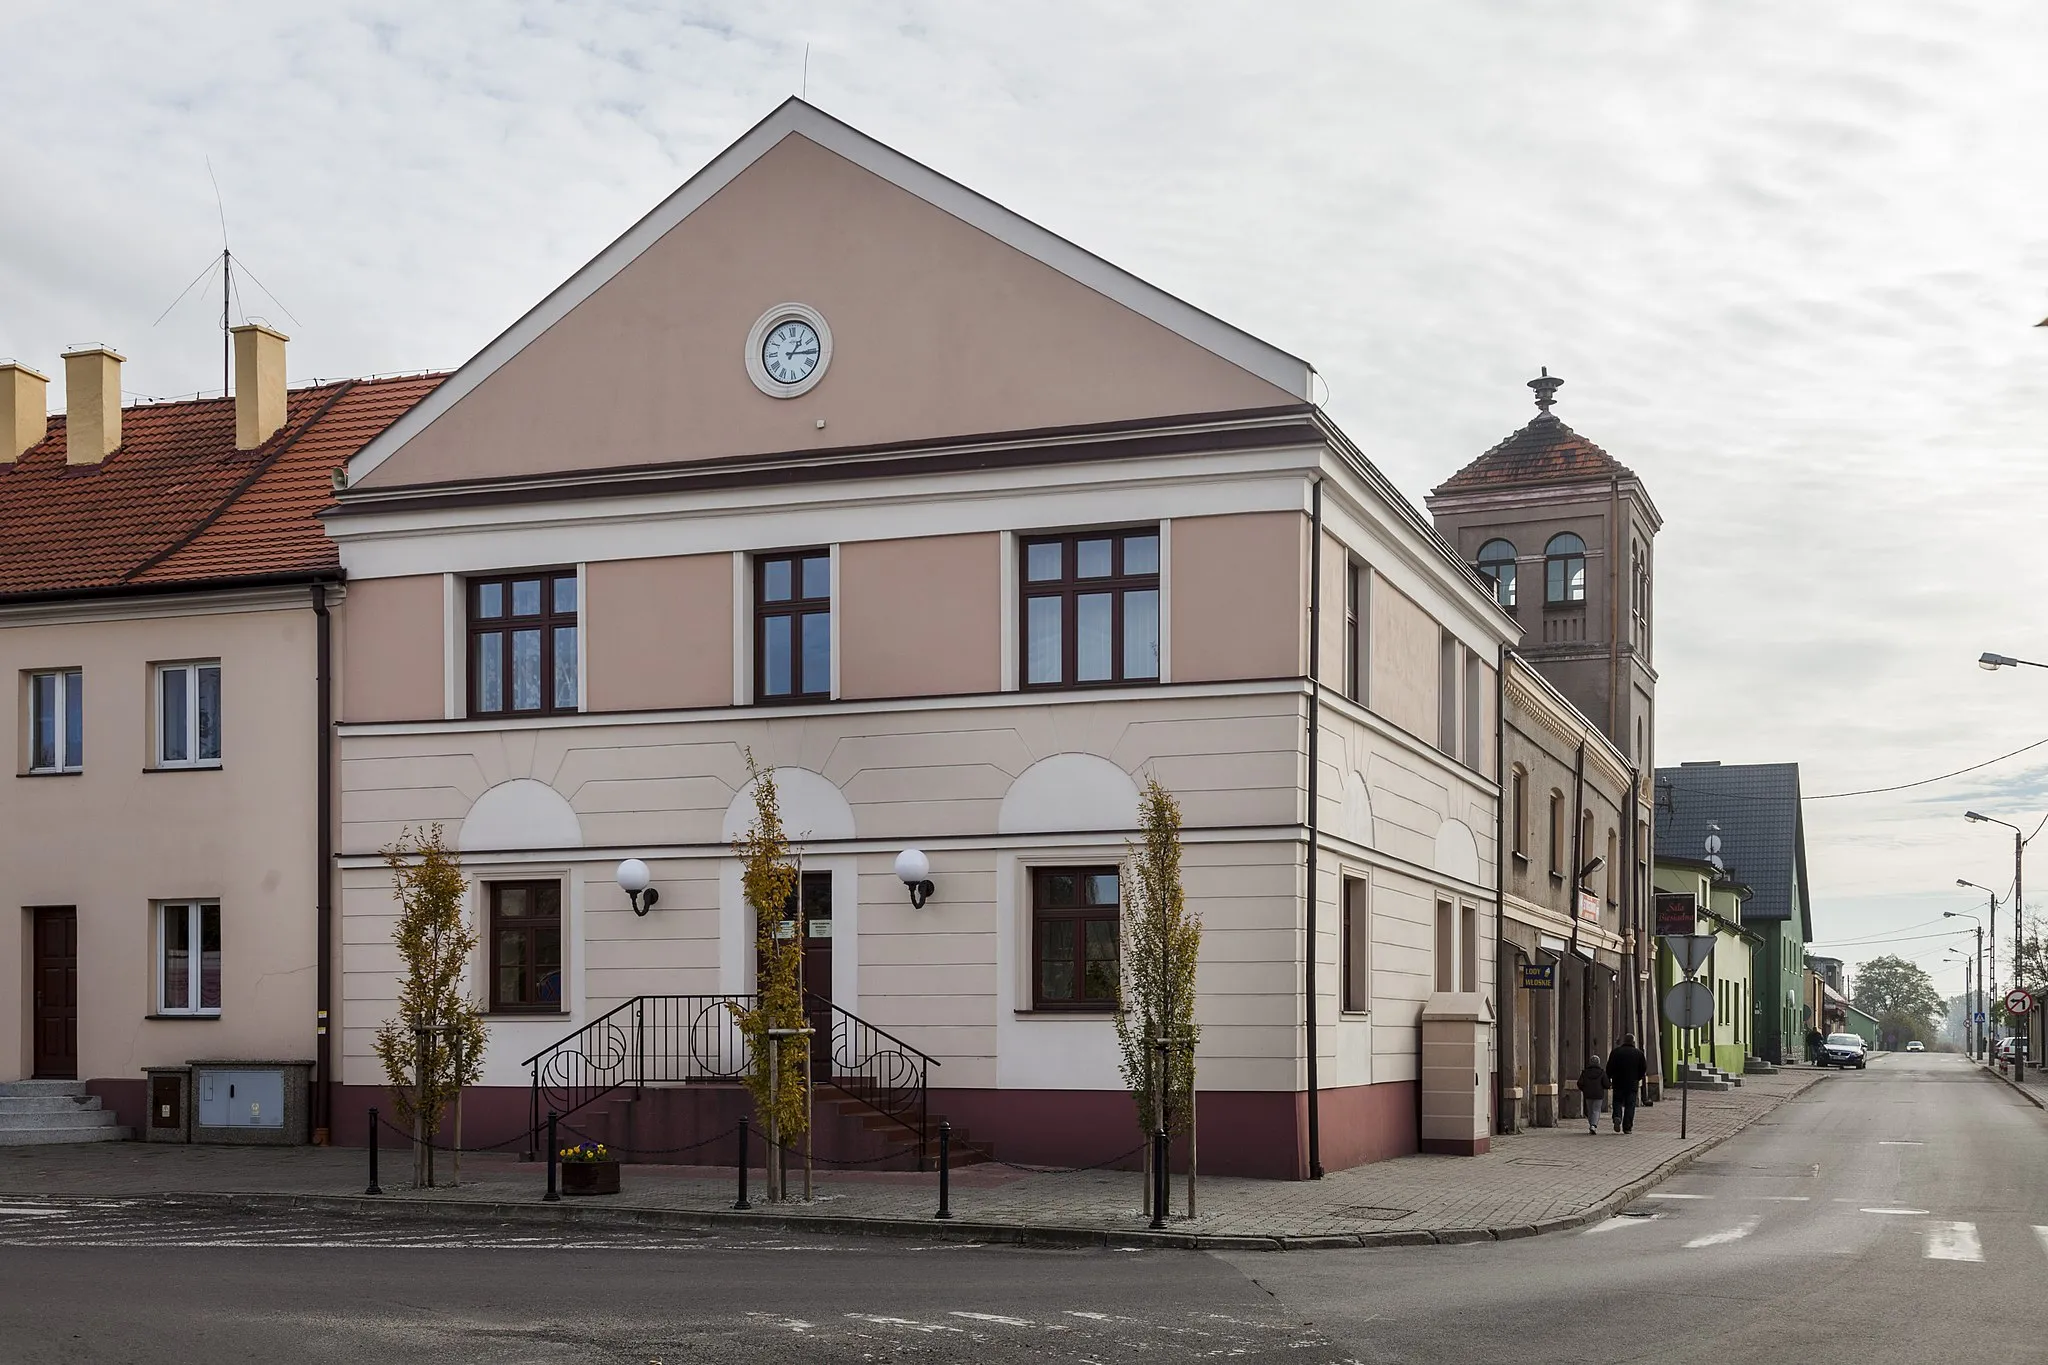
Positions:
(590, 1177)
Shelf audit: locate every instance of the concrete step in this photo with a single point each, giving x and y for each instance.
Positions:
(50, 1137)
(41, 1120)
(1757, 1066)
(40, 1104)
(19, 1088)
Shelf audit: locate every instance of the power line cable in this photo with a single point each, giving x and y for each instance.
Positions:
(1926, 781)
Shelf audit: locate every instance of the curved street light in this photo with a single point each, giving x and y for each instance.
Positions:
(2019, 930)
(1976, 1031)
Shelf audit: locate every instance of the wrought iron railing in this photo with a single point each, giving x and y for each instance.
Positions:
(670, 1039)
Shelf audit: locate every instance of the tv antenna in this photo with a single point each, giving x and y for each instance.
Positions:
(230, 295)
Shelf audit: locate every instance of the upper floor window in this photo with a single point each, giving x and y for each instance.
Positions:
(1497, 566)
(1354, 634)
(1557, 833)
(1091, 608)
(56, 721)
(1074, 937)
(188, 715)
(522, 644)
(1564, 569)
(793, 626)
(1519, 836)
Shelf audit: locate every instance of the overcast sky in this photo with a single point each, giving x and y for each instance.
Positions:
(1787, 259)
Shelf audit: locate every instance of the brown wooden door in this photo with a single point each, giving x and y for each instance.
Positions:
(812, 910)
(56, 990)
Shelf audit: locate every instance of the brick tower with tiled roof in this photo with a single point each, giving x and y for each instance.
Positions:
(1563, 530)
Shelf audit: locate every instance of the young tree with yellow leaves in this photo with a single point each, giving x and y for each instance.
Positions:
(1159, 943)
(434, 1045)
(777, 1076)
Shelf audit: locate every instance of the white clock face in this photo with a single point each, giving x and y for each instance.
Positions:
(790, 351)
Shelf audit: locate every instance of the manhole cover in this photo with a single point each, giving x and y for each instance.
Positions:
(1368, 1212)
(1539, 1161)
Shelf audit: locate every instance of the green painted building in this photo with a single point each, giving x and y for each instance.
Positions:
(1746, 818)
(1693, 890)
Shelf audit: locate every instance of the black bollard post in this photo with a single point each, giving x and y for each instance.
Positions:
(553, 1196)
(743, 1202)
(1159, 1179)
(375, 1188)
(945, 1169)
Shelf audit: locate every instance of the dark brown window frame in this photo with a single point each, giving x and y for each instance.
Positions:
(1354, 947)
(1081, 916)
(1068, 587)
(559, 1005)
(1354, 615)
(1519, 844)
(1567, 558)
(547, 623)
(796, 607)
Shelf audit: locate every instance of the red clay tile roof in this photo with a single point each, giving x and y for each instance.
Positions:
(178, 503)
(1545, 451)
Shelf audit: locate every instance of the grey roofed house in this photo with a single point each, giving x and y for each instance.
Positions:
(1763, 835)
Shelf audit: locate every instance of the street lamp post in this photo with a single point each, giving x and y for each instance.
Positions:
(2019, 853)
(1981, 1007)
(1969, 1038)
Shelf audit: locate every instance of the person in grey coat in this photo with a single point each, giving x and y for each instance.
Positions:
(1593, 1085)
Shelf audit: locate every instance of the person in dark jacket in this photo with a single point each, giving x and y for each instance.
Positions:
(1626, 1067)
(1593, 1085)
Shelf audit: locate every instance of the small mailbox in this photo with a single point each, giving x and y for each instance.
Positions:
(169, 1089)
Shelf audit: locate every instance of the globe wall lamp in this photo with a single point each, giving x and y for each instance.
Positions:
(915, 870)
(633, 878)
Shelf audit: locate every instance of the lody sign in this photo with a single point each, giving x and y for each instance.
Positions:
(1539, 976)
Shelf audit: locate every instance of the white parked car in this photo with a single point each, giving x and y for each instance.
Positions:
(1915, 1046)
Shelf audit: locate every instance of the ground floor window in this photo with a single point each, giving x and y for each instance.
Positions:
(188, 957)
(1074, 937)
(526, 947)
(1355, 946)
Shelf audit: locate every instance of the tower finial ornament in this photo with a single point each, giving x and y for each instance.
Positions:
(1546, 389)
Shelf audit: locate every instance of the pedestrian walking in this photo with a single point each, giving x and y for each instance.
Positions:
(1626, 1068)
(1593, 1085)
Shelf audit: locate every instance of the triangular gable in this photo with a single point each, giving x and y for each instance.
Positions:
(951, 316)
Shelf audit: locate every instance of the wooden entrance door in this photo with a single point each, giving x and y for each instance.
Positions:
(56, 992)
(811, 911)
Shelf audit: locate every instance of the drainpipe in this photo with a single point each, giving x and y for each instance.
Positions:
(1315, 728)
(1500, 882)
(323, 915)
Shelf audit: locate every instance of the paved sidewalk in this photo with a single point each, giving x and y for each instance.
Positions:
(2034, 1087)
(1540, 1181)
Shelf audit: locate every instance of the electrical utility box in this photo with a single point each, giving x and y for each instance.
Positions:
(250, 1102)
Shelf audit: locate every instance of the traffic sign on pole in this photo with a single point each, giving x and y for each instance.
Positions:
(2018, 1001)
(1689, 1004)
(1691, 952)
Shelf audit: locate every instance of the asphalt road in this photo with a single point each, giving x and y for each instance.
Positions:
(1886, 1215)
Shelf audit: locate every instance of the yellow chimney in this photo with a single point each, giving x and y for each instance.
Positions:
(259, 383)
(24, 409)
(92, 404)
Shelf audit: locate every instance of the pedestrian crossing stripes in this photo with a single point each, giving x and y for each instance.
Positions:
(1939, 1239)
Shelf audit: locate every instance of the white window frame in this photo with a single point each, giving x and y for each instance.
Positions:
(67, 679)
(194, 911)
(191, 669)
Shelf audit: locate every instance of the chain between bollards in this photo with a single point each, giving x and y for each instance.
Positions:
(375, 1188)
(553, 1196)
(743, 1202)
(945, 1170)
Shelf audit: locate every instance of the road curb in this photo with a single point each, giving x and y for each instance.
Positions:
(957, 1230)
(2009, 1083)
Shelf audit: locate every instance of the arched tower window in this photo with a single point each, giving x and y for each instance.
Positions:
(1497, 566)
(1564, 569)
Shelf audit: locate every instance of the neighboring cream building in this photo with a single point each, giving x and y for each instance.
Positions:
(164, 594)
(966, 533)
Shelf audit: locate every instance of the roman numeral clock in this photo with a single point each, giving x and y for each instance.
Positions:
(788, 350)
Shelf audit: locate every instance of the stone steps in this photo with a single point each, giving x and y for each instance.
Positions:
(43, 1113)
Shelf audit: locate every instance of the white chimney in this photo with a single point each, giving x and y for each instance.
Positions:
(92, 404)
(24, 409)
(259, 383)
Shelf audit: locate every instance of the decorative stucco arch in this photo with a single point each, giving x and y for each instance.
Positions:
(521, 813)
(1354, 820)
(1069, 792)
(1457, 852)
(812, 808)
